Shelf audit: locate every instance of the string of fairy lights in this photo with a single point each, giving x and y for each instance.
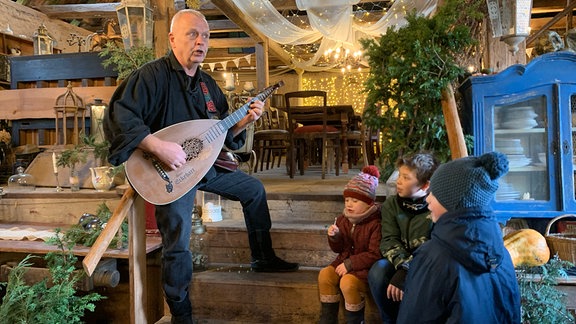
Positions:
(363, 14)
(341, 88)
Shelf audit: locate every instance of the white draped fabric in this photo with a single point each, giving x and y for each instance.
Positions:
(331, 22)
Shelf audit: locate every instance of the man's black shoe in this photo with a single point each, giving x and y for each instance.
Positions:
(273, 265)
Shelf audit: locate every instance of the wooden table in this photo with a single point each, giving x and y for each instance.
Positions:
(338, 116)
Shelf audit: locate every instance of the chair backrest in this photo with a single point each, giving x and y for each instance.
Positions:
(298, 112)
(304, 95)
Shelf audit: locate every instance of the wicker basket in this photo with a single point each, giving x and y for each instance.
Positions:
(563, 244)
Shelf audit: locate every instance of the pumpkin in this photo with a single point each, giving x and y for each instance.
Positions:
(527, 247)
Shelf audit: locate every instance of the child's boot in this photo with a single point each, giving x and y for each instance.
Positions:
(329, 313)
(355, 317)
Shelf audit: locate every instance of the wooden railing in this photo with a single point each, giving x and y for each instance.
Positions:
(131, 206)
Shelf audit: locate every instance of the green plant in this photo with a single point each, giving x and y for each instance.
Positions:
(47, 301)
(124, 62)
(79, 234)
(100, 149)
(541, 301)
(79, 153)
(72, 156)
(409, 69)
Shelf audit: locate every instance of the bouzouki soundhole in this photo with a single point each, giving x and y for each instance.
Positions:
(192, 147)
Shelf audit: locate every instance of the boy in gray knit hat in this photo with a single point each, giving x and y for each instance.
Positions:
(463, 274)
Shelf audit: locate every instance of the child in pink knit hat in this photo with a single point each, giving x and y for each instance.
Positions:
(355, 236)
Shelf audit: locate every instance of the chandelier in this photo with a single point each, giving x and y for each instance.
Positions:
(344, 59)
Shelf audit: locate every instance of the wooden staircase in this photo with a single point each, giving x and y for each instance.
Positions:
(229, 292)
(301, 211)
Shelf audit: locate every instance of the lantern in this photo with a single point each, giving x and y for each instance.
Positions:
(136, 23)
(43, 43)
(97, 109)
(69, 106)
(510, 20)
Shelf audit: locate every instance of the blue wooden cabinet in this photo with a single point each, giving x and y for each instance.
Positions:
(528, 112)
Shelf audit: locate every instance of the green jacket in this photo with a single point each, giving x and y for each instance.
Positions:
(402, 232)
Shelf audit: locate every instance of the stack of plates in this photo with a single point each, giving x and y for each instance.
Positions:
(518, 118)
(509, 146)
(518, 160)
(514, 150)
(506, 192)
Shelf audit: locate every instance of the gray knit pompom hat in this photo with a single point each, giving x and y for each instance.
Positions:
(468, 182)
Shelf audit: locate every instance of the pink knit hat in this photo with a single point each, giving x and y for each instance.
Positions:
(363, 186)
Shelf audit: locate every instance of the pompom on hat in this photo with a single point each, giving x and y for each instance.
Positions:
(468, 182)
(363, 186)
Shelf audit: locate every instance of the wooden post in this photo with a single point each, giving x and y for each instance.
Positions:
(137, 261)
(452, 121)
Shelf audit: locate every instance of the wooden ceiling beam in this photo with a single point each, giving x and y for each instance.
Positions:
(79, 11)
(242, 42)
(234, 14)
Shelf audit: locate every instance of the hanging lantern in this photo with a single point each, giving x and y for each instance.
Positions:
(510, 20)
(136, 23)
(43, 43)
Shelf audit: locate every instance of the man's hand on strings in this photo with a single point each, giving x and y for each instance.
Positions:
(255, 111)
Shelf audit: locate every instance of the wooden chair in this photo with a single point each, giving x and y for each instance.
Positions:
(314, 135)
(245, 154)
(357, 137)
(271, 140)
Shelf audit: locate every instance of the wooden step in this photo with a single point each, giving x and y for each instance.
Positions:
(229, 292)
(238, 295)
(303, 242)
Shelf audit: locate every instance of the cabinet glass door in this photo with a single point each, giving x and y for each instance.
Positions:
(569, 187)
(521, 130)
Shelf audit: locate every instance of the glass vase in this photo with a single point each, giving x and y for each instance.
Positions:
(74, 180)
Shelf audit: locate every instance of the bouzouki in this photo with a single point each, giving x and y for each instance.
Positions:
(202, 140)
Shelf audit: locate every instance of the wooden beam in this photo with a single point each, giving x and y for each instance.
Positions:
(230, 10)
(231, 42)
(79, 11)
(552, 21)
(223, 26)
(544, 6)
(234, 14)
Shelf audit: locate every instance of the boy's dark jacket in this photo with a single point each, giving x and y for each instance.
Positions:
(402, 232)
(463, 274)
(360, 248)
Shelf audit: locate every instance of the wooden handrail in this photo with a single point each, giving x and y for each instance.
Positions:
(103, 241)
(566, 11)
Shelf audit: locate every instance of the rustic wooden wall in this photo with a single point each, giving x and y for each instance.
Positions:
(24, 22)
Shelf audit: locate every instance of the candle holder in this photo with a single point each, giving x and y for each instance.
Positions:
(55, 169)
(58, 188)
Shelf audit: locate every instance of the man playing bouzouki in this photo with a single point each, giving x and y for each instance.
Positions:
(168, 91)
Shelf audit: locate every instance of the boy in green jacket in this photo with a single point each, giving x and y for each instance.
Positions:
(405, 226)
